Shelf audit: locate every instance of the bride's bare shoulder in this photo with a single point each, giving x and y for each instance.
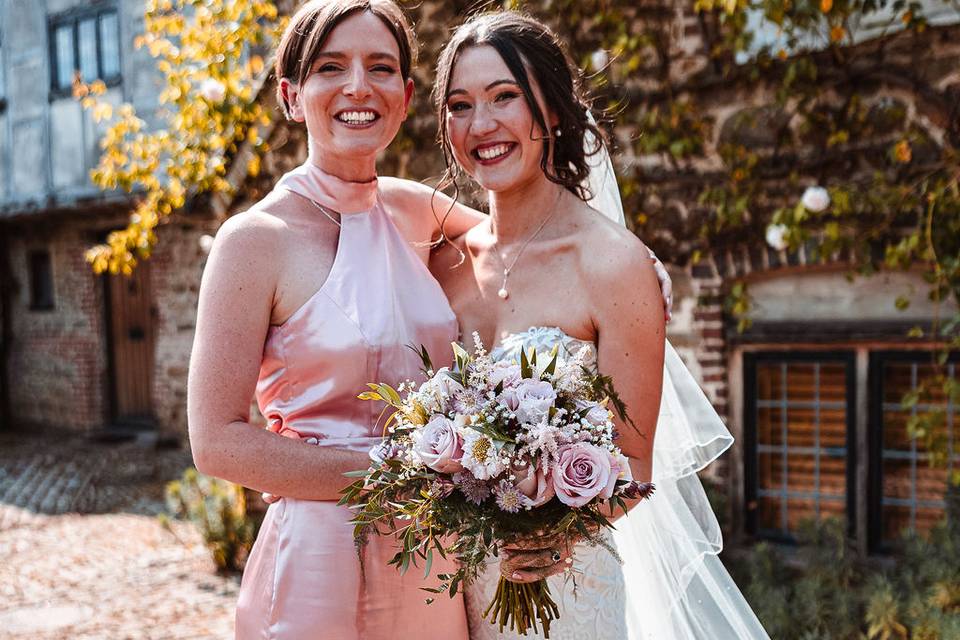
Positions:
(614, 263)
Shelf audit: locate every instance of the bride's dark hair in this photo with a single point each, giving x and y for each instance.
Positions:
(529, 49)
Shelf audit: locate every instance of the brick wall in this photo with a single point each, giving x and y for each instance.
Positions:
(57, 367)
(59, 361)
(176, 269)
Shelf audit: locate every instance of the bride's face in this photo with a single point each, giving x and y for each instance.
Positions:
(491, 129)
(355, 97)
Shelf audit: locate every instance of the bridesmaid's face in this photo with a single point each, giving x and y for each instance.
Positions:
(355, 97)
(491, 128)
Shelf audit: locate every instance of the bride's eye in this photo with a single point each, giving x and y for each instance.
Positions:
(504, 96)
(455, 107)
(328, 67)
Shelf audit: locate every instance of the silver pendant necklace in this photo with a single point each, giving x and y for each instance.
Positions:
(503, 293)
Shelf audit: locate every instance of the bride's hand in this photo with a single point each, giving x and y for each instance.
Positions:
(535, 559)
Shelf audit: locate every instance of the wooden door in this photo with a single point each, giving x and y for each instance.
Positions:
(132, 341)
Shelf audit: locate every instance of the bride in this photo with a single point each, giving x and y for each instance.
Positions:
(547, 268)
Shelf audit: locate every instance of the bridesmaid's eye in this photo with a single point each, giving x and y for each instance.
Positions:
(326, 68)
(382, 68)
(506, 95)
(458, 106)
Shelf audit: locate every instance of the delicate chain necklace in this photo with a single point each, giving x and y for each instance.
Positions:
(503, 293)
(327, 212)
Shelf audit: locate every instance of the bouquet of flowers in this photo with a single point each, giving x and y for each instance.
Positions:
(486, 453)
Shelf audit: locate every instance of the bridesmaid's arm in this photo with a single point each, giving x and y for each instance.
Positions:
(236, 299)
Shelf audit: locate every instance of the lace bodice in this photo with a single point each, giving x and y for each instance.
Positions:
(543, 340)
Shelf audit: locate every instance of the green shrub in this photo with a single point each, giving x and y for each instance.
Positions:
(219, 509)
(820, 590)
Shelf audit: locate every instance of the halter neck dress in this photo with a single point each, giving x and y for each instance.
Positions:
(303, 579)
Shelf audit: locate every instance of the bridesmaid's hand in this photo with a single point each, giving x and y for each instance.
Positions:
(666, 285)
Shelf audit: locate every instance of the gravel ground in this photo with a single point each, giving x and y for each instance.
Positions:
(84, 555)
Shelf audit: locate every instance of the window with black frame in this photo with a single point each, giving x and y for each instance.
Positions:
(907, 491)
(41, 280)
(799, 459)
(85, 45)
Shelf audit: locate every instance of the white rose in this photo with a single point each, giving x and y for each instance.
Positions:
(213, 90)
(815, 199)
(535, 398)
(435, 393)
(776, 236)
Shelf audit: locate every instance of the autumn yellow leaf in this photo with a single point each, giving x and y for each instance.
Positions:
(837, 32)
(902, 152)
(255, 65)
(826, 5)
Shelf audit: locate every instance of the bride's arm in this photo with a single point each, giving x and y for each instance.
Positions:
(630, 346)
(236, 298)
(434, 206)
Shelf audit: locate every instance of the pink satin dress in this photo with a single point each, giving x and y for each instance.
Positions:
(303, 579)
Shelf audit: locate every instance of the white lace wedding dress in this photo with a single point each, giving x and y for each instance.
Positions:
(672, 585)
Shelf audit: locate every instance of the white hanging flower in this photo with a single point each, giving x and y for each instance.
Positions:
(213, 90)
(815, 199)
(777, 237)
(206, 242)
(599, 59)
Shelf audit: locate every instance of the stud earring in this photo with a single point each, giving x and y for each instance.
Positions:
(558, 132)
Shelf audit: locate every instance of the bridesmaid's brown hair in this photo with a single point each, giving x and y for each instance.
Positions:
(312, 23)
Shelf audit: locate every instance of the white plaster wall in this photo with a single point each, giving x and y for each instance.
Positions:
(827, 296)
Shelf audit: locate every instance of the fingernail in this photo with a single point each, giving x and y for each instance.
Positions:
(516, 575)
(569, 560)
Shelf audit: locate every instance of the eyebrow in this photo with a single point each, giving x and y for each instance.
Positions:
(495, 83)
(338, 55)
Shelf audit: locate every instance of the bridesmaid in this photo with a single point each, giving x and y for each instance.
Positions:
(307, 296)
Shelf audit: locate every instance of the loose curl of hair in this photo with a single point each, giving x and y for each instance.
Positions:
(310, 26)
(529, 49)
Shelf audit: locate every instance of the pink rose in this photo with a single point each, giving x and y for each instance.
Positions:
(439, 446)
(536, 397)
(581, 473)
(508, 399)
(533, 483)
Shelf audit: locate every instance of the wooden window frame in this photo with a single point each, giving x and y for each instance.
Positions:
(73, 19)
(878, 358)
(750, 361)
